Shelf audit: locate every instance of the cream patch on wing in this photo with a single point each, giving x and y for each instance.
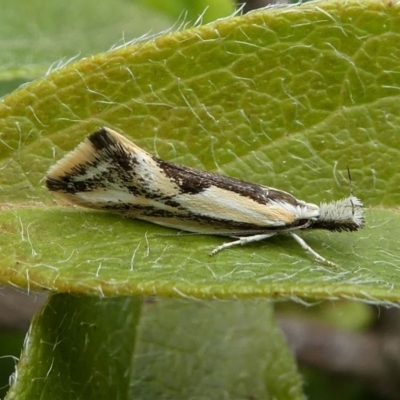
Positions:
(223, 204)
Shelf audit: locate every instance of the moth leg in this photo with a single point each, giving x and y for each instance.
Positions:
(242, 241)
(306, 247)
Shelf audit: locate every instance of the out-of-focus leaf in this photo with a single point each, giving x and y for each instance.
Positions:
(182, 349)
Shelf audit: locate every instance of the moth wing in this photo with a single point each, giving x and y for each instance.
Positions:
(109, 172)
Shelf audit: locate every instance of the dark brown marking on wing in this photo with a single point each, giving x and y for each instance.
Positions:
(111, 149)
(101, 140)
(193, 181)
(121, 167)
(149, 213)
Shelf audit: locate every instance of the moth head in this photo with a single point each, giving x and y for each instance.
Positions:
(341, 215)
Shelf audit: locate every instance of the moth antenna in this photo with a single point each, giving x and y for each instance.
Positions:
(350, 181)
(351, 190)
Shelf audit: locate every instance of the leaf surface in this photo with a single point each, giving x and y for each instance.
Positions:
(286, 97)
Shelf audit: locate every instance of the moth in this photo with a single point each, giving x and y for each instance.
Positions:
(109, 172)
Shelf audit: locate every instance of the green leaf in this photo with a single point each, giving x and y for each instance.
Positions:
(208, 10)
(286, 97)
(184, 349)
(73, 352)
(33, 37)
(103, 255)
(10, 349)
